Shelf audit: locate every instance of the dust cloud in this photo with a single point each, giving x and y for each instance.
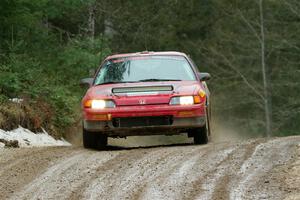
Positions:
(220, 132)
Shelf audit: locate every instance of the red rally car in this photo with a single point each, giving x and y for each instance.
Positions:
(146, 93)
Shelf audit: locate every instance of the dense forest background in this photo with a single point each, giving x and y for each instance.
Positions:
(251, 49)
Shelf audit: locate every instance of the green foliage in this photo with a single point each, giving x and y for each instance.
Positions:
(223, 37)
(3, 98)
(46, 47)
(80, 55)
(54, 79)
(42, 60)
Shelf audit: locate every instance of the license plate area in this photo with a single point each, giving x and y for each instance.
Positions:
(129, 122)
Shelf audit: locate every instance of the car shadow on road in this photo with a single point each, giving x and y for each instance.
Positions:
(118, 148)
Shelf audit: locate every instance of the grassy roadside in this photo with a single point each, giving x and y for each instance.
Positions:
(48, 84)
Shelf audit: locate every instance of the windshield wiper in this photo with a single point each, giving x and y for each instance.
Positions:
(115, 82)
(156, 79)
(143, 80)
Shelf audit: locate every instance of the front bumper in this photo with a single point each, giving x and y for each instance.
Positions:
(196, 110)
(183, 119)
(179, 125)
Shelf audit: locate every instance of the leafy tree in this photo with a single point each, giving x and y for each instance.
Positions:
(251, 48)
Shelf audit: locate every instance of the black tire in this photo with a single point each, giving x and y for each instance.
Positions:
(93, 140)
(101, 142)
(208, 119)
(202, 134)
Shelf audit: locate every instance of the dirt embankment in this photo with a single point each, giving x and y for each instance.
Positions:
(255, 169)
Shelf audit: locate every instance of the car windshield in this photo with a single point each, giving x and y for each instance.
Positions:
(145, 68)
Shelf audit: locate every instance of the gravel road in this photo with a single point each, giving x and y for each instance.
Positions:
(253, 169)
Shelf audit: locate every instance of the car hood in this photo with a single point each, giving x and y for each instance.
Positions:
(143, 92)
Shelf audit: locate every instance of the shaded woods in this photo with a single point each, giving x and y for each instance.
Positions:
(251, 48)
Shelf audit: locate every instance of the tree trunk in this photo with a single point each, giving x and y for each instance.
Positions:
(267, 100)
(91, 21)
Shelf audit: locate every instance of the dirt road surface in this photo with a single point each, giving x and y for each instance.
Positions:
(254, 169)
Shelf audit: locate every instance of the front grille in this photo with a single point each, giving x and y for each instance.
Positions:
(142, 121)
(142, 89)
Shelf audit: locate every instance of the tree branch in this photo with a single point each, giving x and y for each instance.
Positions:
(249, 25)
(240, 74)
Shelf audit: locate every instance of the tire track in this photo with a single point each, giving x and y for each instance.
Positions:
(59, 180)
(23, 170)
(265, 157)
(213, 171)
(137, 171)
(205, 177)
(219, 178)
(111, 171)
(184, 174)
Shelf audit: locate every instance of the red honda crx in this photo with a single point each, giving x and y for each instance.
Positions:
(146, 93)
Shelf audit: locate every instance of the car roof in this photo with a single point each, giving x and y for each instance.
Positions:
(147, 53)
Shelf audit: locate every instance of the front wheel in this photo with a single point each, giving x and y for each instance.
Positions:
(200, 135)
(93, 140)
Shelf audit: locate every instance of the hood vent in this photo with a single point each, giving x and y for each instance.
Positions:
(143, 89)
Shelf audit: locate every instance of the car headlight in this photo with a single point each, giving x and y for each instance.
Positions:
(99, 104)
(183, 100)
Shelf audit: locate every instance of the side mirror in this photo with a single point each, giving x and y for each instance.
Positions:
(204, 76)
(86, 82)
